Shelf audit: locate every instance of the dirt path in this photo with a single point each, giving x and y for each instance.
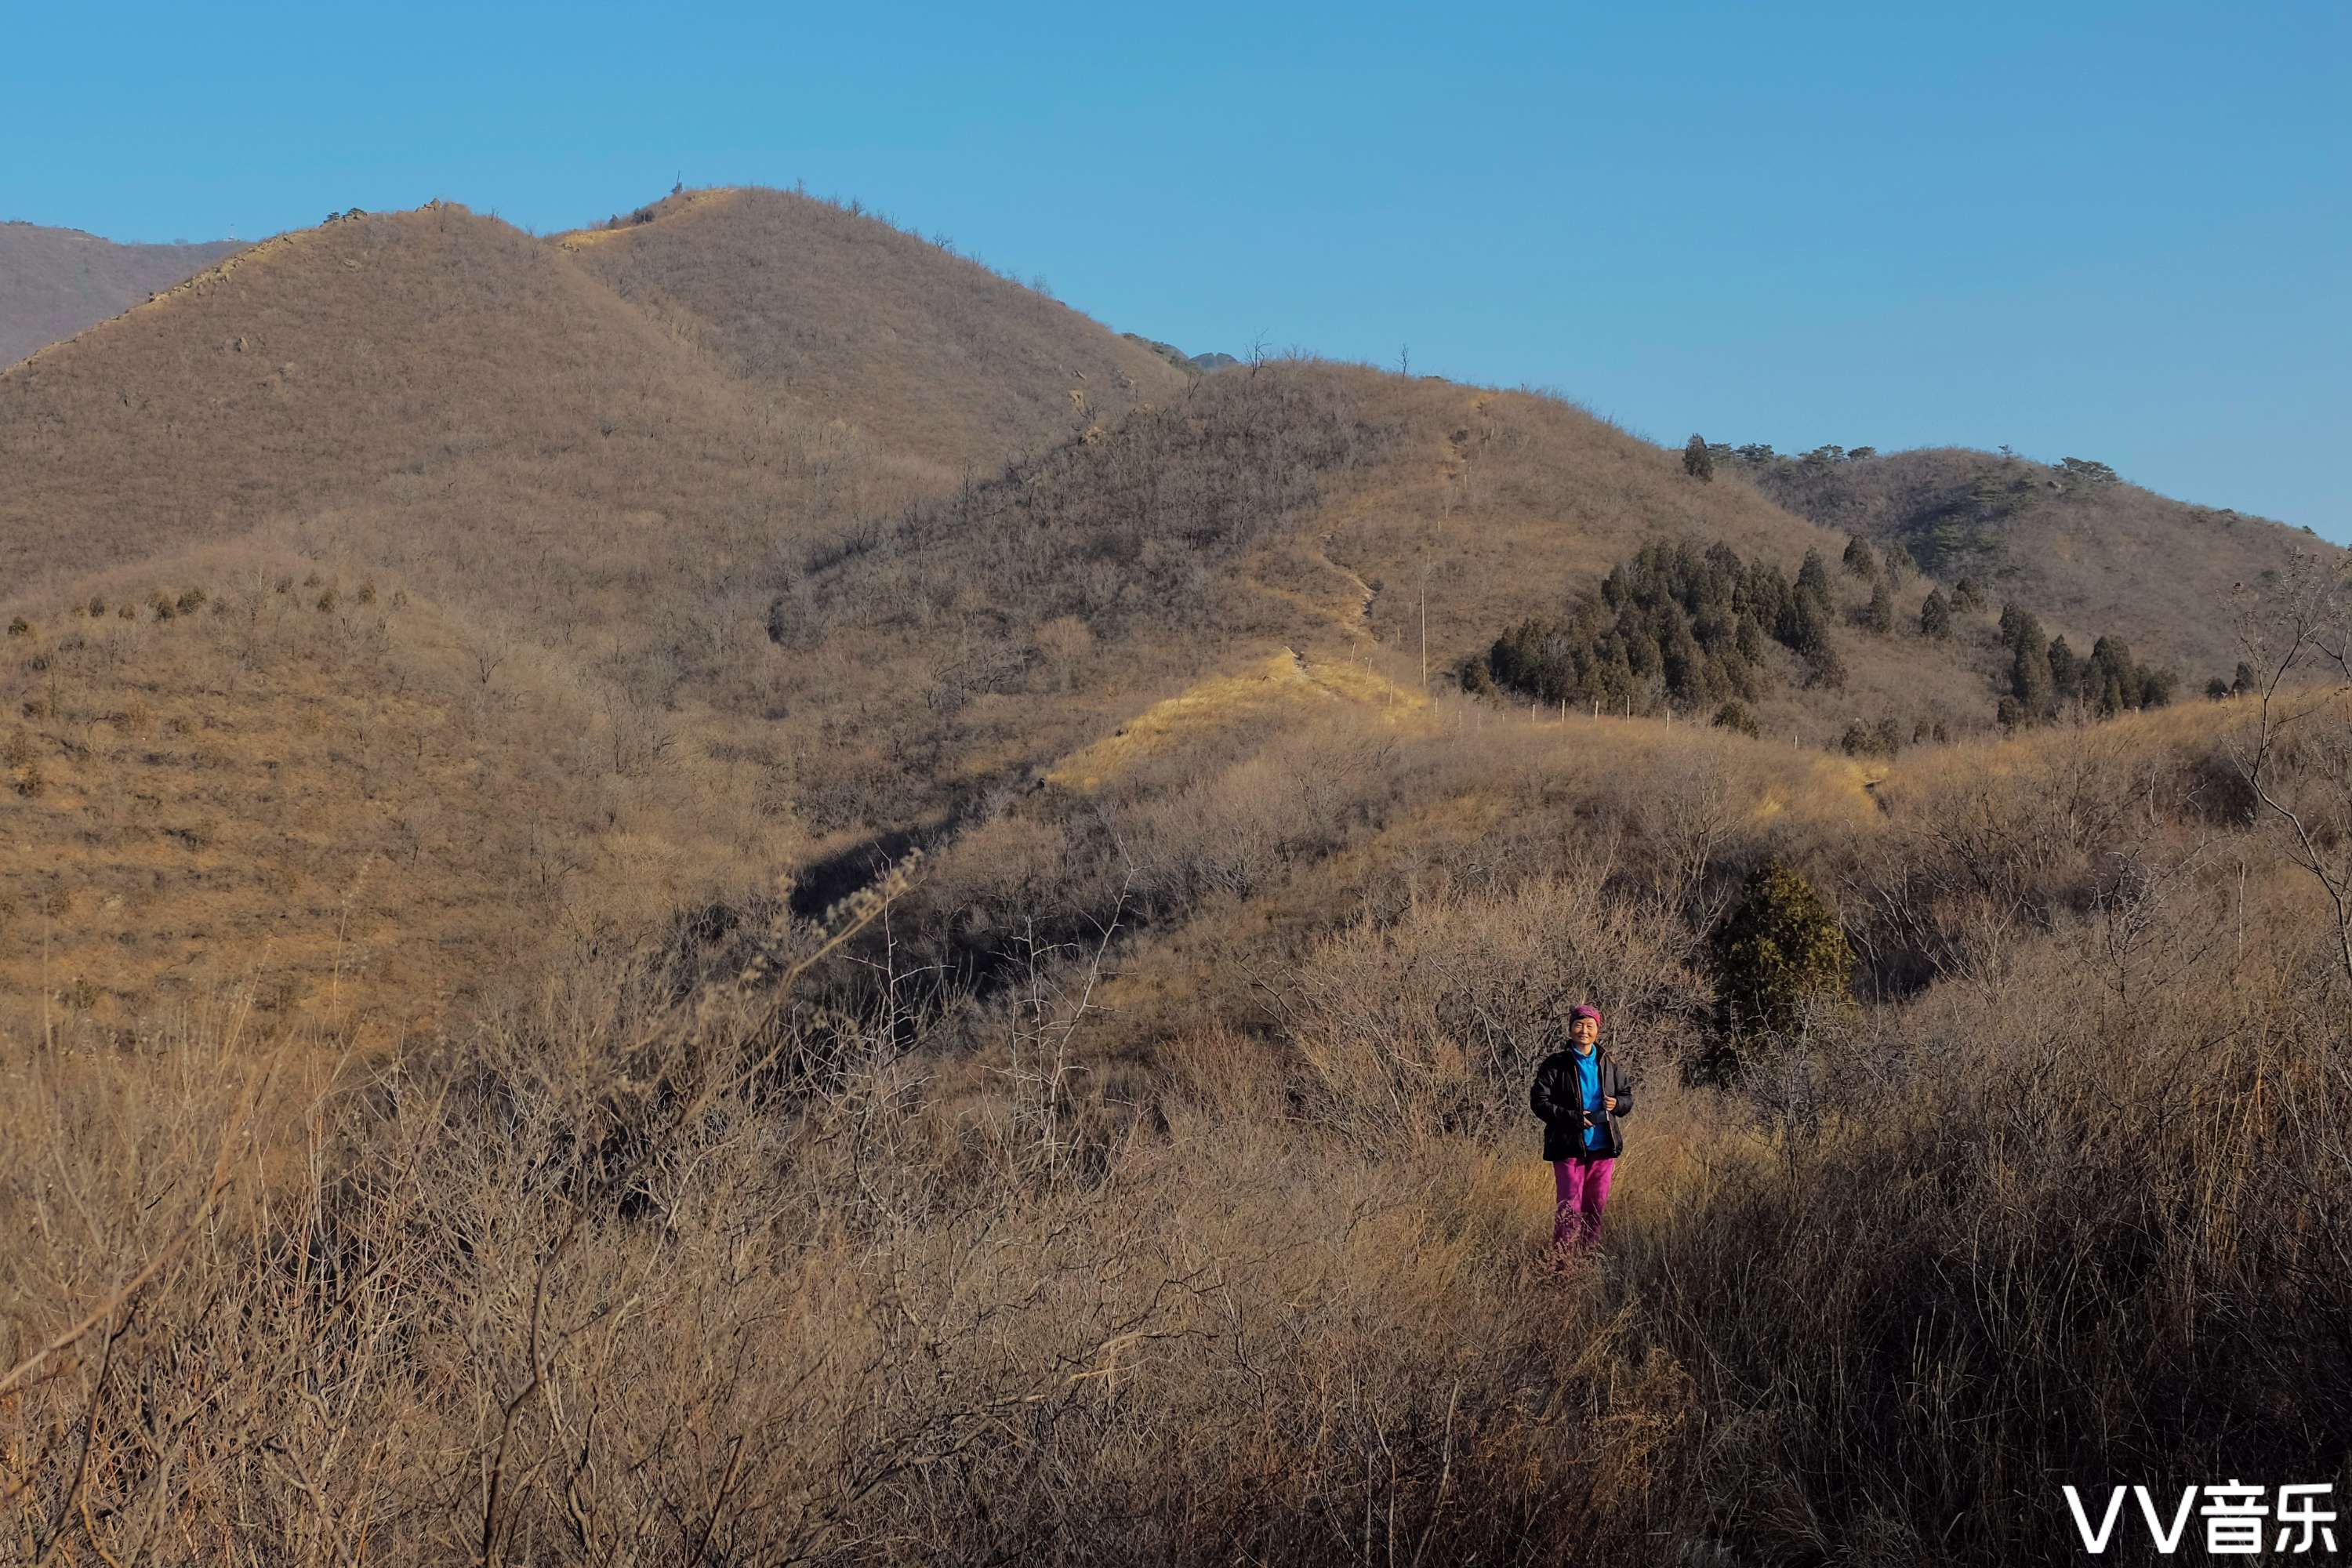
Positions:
(1448, 470)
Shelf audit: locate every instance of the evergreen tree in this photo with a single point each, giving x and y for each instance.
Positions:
(1811, 641)
(1697, 461)
(2217, 689)
(1737, 717)
(1671, 624)
(1935, 616)
(1859, 559)
(2245, 680)
(2065, 670)
(2029, 670)
(1748, 639)
(1878, 615)
(1967, 596)
(2110, 683)
(1813, 576)
(1827, 668)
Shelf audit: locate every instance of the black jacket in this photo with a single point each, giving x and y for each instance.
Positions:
(1554, 1098)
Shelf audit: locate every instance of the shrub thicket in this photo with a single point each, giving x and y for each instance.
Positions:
(1781, 956)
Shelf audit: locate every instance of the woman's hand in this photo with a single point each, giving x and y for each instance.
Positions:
(1609, 1101)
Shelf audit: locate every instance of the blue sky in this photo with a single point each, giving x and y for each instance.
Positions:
(2119, 232)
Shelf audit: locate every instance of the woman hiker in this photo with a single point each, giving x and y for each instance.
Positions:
(1580, 1093)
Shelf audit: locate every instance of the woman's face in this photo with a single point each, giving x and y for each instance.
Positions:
(1584, 1031)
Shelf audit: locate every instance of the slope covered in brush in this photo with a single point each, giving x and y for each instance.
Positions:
(440, 395)
(252, 786)
(1252, 539)
(929, 352)
(56, 281)
(2090, 553)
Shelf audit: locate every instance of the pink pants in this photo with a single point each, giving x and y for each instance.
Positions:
(1583, 1190)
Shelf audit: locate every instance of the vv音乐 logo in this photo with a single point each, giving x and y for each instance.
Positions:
(2238, 1519)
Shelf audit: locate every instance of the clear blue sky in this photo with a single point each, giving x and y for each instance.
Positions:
(2111, 231)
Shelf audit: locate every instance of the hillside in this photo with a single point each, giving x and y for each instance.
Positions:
(1290, 513)
(2090, 554)
(466, 709)
(241, 782)
(927, 351)
(56, 281)
(438, 395)
(577, 506)
(611, 492)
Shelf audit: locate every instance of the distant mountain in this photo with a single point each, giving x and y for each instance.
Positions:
(56, 281)
(1197, 364)
(2089, 554)
(929, 352)
(428, 387)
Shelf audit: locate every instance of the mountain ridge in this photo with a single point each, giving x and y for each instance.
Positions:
(55, 282)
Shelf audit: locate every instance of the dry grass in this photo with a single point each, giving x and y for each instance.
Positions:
(329, 797)
(1151, 1180)
(54, 282)
(1278, 1296)
(1275, 688)
(931, 354)
(2091, 560)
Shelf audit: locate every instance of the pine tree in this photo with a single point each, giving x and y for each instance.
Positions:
(2065, 670)
(2245, 680)
(1813, 576)
(1935, 616)
(1859, 559)
(1967, 596)
(1878, 615)
(2029, 670)
(2110, 683)
(1697, 461)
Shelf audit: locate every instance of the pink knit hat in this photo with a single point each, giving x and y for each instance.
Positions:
(1585, 1012)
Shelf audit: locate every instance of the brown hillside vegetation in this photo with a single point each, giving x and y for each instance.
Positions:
(928, 353)
(439, 378)
(56, 281)
(489, 1081)
(237, 780)
(2091, 556)
(1281, 1279)
(987, 634)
